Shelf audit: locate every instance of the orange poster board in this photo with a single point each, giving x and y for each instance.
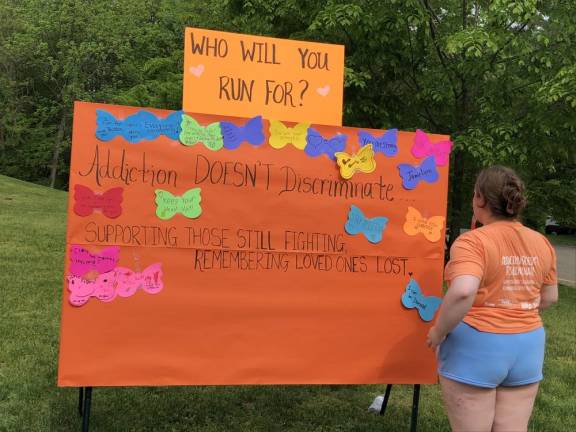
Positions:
(231, 73)
(206, 249)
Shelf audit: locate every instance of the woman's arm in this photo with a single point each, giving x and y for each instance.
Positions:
(548, 296)
(457, 302)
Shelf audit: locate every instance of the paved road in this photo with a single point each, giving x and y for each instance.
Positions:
(566, 256)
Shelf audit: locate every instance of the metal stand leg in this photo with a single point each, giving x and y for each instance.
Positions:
(385, 401)
(80, 401)
(415, 402)
(86, 408)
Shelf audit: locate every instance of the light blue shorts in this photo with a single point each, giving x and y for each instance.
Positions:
(490, 360)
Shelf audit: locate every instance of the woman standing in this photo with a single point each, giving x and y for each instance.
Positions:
(489, 329)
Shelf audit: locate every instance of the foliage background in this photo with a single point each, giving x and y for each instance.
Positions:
(499, 76)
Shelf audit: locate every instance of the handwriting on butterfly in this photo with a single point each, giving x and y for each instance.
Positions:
(316, 144)
(82, 261)
(120, 281)
(86, 201)
(282, 135)
(414, 174)
(363, 161)
(138, 127)
(423, 147)
(188, 204)
(431, 227)
(412, 298)
(387, 143)
(251, 132)
(372, 228)
(193, 133)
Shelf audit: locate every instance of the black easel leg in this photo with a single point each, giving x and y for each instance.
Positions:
(415, 403)
(385, 401)
(86, 409)
(80, 401)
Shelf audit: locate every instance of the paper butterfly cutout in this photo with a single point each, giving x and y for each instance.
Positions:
(413, 298)
(121, 282)
(316, 144)
(192, 133)
(431, 227)
(281, 135)
(82, 261)
(167, 205)
(387, 143)
(371, 228)
(412, 175)
(86, 201)
(424, 147)
(362, 161)
(81, 290)
(128, 281)
(234, 135)
(138, 127)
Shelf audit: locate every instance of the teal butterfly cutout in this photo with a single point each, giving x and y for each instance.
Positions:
(372, 228)
(413, 298)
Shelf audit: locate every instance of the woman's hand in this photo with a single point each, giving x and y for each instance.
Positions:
(434, 338)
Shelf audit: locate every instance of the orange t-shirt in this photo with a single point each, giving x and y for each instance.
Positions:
(513, 262)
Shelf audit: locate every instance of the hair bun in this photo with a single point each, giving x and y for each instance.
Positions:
(502, 191)
(513, 193)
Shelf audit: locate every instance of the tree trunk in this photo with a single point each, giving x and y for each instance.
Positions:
(56, 151)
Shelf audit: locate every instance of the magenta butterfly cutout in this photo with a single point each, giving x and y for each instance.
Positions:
(82, 261)
(121, 282)
(86, 201)
(423, 147)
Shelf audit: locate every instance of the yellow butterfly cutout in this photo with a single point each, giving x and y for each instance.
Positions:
(431, 227)
(362, 161)
(281, 135)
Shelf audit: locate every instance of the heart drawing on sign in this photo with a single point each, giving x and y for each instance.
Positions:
(323, 91)
(197, 70)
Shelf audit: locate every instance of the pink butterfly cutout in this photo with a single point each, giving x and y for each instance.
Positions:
(83, 261)
(128, 281)
(423, 147)
(82, 289)
(86, 201)
(121, 282)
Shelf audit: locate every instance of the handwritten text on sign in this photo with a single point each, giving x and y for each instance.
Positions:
(244, 75)
(206, 260)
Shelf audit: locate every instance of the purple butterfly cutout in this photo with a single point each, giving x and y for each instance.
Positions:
(317, 144)
(412, 175)
(234, 135)
(386, 143)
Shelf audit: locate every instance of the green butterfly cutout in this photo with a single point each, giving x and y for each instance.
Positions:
(167, 205)
(192, 133)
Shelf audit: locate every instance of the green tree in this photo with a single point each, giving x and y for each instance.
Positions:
(498, 76)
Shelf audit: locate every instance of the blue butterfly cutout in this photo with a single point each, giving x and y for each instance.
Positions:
(316, 144)
(412, 175)
(138, 127)
(413, 298)
(371, 228)
(234, 135)
(387, 143)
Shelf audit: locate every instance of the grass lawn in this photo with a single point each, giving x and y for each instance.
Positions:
(32, 241)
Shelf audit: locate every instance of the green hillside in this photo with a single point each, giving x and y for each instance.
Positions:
(32, 241)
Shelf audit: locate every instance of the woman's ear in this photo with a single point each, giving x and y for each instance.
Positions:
(480, 200)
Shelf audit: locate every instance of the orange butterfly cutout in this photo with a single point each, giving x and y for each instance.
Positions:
(416, 224)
